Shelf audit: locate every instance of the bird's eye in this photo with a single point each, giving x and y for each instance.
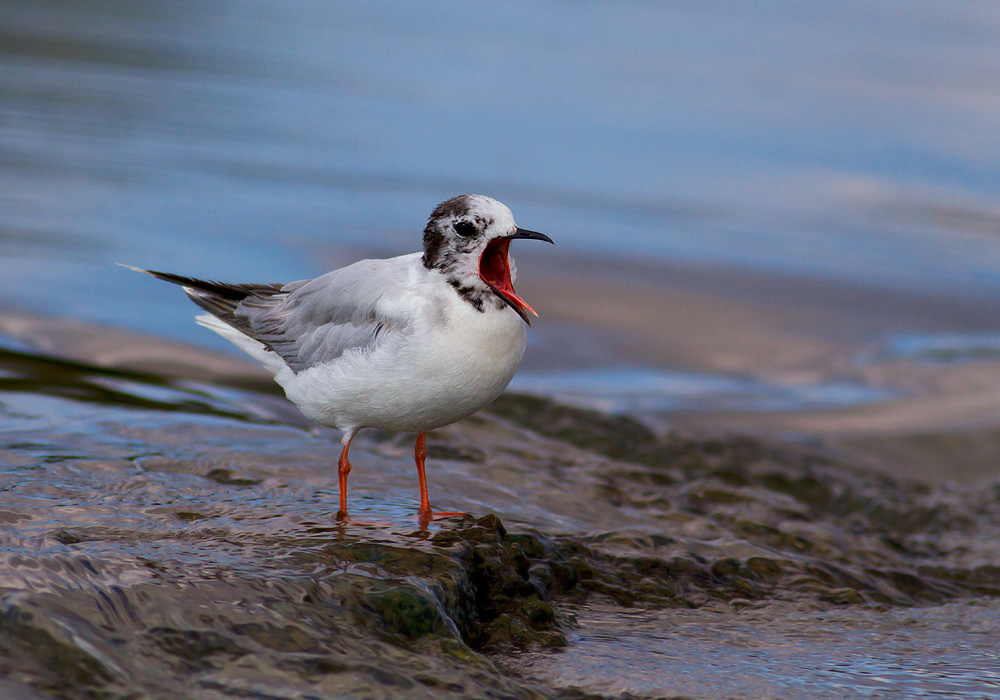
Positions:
(465, 229)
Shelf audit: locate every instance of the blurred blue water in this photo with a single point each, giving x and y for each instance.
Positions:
(636, 389)
(260, 140)
(946, 348)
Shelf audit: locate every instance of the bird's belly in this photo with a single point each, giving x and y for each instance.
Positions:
(422, 383)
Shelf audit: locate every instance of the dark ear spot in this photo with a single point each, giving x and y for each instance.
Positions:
(465, 229)
(433, 240)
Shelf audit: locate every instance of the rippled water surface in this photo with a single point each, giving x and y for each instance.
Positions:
(161, 539)
(778, 653)
(758, 210)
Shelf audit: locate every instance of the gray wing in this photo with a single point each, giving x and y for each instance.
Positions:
(315, 321)
(311, 321)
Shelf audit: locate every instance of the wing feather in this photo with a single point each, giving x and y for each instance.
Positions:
(321, 319)
(310, 321)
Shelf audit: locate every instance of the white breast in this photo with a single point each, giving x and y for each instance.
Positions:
(452, 362)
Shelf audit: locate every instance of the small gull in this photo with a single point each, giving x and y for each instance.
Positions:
(410, 343)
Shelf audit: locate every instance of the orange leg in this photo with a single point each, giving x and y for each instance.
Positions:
(343, 469)
(425, 514)
(420, 453)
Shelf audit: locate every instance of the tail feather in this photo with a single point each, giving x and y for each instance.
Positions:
(232, 292)
(220, 299)
(252, 347)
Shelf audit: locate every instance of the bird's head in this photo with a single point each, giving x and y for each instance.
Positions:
(467, 240)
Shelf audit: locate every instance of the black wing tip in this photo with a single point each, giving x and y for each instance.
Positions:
(166, 276)
(231, 292)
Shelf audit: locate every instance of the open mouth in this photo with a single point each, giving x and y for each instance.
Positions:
(494, 270)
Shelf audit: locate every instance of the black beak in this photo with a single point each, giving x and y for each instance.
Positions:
(534, 235)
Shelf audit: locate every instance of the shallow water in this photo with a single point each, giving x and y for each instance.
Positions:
(162, 539)
(786, 653)
(813, 187)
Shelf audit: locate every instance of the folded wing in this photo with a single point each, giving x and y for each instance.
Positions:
(310, 321)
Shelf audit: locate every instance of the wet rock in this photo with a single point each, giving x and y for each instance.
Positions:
(66, 537)
(506, 631)
(194, 648)
(426, 610)
(409, 611)
(463, 453)
(228, 477)
(616, 436)
(55, 650)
